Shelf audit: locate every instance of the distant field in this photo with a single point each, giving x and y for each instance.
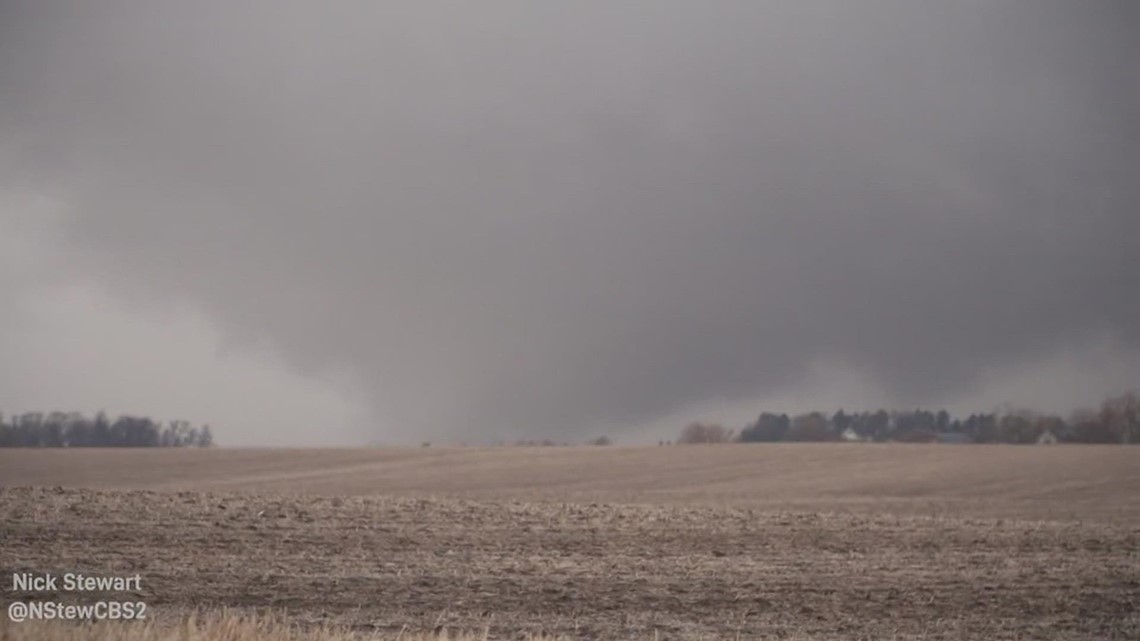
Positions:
(799, 542)
(1000, 481)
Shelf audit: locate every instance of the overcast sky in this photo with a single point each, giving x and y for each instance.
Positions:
(347, 222)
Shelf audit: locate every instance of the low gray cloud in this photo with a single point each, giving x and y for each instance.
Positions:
(548, 217)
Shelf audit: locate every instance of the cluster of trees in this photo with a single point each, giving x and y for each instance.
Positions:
(1116, 421)
(71, 429)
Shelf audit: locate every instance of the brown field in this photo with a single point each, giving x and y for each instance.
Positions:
(781, 541)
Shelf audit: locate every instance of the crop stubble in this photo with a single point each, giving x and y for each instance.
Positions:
(380, 563)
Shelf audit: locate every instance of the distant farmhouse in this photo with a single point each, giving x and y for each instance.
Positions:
(1048, 437)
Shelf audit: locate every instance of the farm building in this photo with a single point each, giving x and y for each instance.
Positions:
(1047, 438)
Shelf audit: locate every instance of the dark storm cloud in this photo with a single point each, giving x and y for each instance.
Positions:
(524, 216)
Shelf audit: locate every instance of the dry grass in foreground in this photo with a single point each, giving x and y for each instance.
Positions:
(217, 626)
(237, 626)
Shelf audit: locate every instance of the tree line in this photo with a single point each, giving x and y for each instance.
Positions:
(72, 429)
(1116, 421)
